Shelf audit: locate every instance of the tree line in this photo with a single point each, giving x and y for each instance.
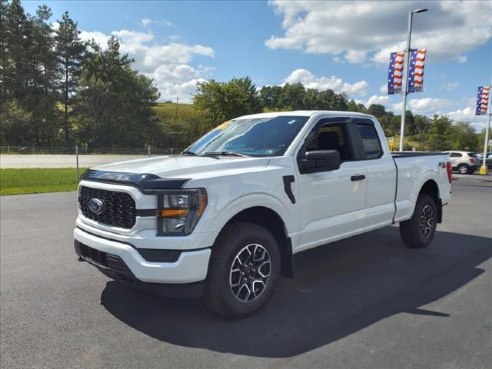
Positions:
(57, 90)
(239, 96)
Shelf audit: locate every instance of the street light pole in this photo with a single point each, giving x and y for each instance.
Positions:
(484, 168)
(405, 75)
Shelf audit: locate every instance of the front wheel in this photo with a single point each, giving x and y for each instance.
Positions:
(419, 230)
(243, 271)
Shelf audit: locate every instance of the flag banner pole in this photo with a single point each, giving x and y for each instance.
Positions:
(484, 104)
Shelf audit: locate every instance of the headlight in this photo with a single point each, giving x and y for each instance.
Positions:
(179, 211)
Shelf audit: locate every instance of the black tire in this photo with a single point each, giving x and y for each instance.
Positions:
(419, 230)
(226, 291)
(463, 169)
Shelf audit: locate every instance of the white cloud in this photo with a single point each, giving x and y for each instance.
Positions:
(167, 63)
(174, 37)
(384, 88)
(461, 58)
(334, 83)
(428, 105)
(146, 22)
(132, 37)
(397, 108)
(178, 80)
(448, 30)
(382, 55)
(177, 73)
(100, 38)
(450, 86)
(462, 115)
(376, 99)
(424, 106)
(355, 57)
(173, 53)
(358, 88)
(467, 115)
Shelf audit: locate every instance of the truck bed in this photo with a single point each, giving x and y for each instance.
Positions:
(413, 169)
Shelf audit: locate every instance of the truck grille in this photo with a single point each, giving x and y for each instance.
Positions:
(119, 208)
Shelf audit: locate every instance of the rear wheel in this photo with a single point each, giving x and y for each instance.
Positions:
(244, 269)
(419, 230)
(463, 169)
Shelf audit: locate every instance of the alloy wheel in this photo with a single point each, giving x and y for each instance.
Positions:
(250, 273)
(426, 221)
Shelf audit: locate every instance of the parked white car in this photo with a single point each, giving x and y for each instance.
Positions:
(464, 162)
(225, 218)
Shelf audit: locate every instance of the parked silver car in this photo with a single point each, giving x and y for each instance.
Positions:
(488, 160)
(464, 162)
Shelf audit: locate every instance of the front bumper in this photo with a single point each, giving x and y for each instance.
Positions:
(125, 261)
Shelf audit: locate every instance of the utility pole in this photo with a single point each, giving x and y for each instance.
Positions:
(177, 104)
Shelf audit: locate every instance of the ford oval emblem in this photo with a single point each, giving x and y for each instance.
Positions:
(96, 206)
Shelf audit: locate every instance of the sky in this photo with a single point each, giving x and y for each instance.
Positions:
(344, 46)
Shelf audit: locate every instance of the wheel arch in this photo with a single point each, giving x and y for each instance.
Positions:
(431, 189)
(461, 165)
(273, 222)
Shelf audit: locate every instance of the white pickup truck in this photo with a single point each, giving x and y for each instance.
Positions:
(224, 218)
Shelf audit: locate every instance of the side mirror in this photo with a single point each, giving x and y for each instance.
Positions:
(320, 161)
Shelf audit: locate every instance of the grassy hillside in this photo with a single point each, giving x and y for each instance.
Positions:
(173, 110)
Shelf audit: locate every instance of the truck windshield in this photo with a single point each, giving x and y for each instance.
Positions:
(251, 137)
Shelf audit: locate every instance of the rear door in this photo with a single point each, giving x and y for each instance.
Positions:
(380, 175)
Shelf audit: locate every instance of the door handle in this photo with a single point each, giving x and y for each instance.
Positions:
(359, 177)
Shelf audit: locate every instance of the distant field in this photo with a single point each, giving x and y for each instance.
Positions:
(172, 109)
(24, 181)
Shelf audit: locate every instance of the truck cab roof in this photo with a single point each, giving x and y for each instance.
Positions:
(307, 113)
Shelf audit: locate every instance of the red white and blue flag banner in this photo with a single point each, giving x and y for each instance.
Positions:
(482, 100)
(415, 79)
(395, 73)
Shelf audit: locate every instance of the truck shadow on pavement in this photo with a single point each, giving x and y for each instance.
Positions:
(337, 290)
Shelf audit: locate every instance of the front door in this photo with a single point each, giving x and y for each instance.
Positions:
(332, 203)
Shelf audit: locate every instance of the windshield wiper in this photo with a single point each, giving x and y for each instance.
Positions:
(224, 153)
(188, 152)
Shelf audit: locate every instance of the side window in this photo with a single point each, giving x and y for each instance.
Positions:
(455, 155)
(331, 137)
(370, 141)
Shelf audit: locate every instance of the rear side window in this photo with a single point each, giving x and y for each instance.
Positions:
(370, 140)
(455, 155)
(472, 155)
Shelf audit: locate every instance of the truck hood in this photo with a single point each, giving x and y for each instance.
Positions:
(190, 167)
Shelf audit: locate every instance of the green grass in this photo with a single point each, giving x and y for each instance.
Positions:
(23, 181)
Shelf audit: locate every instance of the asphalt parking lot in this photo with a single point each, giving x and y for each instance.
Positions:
(366, 302)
